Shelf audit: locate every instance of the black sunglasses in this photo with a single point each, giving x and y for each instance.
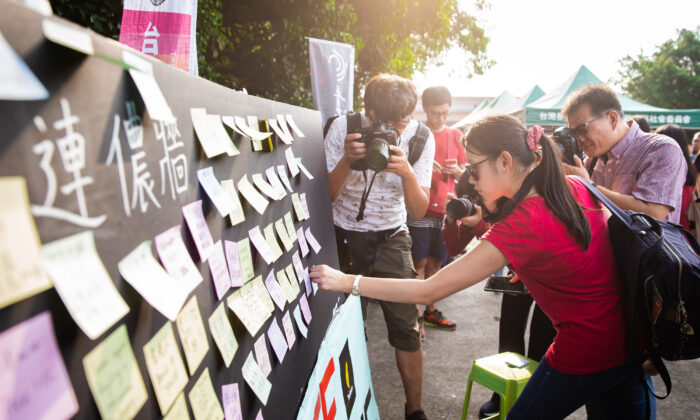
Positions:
(473, 173)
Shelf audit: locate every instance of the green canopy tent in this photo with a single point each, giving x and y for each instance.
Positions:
(518, 110)
(500, 105)
(547, 110)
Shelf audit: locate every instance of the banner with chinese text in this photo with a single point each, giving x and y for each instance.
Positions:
(332, 76)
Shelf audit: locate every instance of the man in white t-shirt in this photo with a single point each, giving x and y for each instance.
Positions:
(372, 235)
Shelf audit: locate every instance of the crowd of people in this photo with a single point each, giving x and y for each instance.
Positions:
(396, 242)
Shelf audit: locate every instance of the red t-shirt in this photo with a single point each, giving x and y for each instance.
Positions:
(447, 146)
(578, 290)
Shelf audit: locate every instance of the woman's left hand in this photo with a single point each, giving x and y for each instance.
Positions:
(330, 279)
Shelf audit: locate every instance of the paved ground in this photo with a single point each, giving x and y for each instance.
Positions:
(448, 357)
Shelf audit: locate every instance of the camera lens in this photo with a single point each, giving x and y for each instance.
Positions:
(461, 207)
(377, 154)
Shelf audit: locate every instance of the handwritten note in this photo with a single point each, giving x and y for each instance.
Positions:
(244, 312)
(252, 195)
(266, 188)
(288, 330)
(305, 310)
(307, 281)
(286, 287)
(222, 332)
(114, 377)
(205, 404)
(34, 382)
(271, 240)
(234, 264)
(282, 172)
(312, 240)
(17, 82)
(222, 136)
(143, 273)
(275, 290)
(275, 181)
(295, 128)
(303, 169)
(257, 288)
(83, 283)
(236, 216)
(283, 235)
(298, 208)
(176, 259)
(261, 245)
(152, 96)
(179, 409)
(291, 162)
(231, 400)
(192, 334)
(277, 340)
(289, 224)
(261, 355)
(216, 193)
(293, 282)
(298, 267)
(304, 205)
(165, 367)
(256, 379)
(300, 324)
(208, 138)
(219, 270)
(21, 272)
(198, 228)
(303, 246)
(245, 257)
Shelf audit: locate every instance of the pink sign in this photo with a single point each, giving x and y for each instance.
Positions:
(163, 35)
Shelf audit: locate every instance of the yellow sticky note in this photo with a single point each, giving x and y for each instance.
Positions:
(165, 367)
(245, 257)
(298, 208)
(179, 409)
(192, 334)
(222, 332)
(205, 404)
(21, 272)
(114, 377)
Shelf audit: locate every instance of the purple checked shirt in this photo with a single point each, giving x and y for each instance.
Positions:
(650, 167)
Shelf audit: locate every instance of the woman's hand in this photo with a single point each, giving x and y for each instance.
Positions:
(330, 279)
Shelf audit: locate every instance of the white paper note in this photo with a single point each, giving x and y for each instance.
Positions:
(295, 128)
(216, 193)
(83, 283)
(152, 96)
(266, 188)
(256, 379)
(312, 241)
(219, 270)
(278, 131)
(150, 279)
(249, 131)
(234, 264)
(277, 340)
(274, 180)
(261, 355)
(176, 259)
(289, 224)
(63, 34)
(205, 133)
(282, 172)
(288, 329)
(303, 169)
(284, 236)
(236, 216)
(261, 245)
(17, 82)
(271, 239)
(300, 324)
(275, 290)
(252, 195)
(307, 281)
(222, 136)
(198, 228)
(291, 162)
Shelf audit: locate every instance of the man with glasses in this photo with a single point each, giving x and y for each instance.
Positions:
(369, 213)
(429, 253)
(637, 171)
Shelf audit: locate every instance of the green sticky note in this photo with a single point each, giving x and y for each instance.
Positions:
(179, 409)
(223, 334)
(205, 404)
(114, 377)
(165, 367)
(192, 334)
(245, 257)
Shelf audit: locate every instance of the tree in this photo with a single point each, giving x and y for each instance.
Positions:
(261, 45)
(670, 77)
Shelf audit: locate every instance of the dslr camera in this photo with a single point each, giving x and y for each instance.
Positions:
(463, 205)
(377, 138)
(568, 145)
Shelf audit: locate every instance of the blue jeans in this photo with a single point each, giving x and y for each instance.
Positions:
(550, 394)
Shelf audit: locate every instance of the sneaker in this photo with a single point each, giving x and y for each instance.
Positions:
(417, 415)
(421, 326)
(437, 319)
(490, 407)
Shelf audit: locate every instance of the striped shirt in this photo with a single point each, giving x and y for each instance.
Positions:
(650, 167)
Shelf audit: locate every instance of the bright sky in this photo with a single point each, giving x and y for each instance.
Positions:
(545, 41)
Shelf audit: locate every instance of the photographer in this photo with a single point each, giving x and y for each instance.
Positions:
(369, 208)
(555, 236)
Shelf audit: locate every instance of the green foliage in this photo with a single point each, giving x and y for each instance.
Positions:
(670, 77)
(261, 45)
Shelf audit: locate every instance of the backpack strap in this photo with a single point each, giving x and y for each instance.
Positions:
(354, 123)
(415, 147)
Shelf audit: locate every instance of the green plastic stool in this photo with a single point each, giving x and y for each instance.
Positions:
(493, 373)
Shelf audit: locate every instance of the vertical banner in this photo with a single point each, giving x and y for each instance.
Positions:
(332, 76)
(165, 29)
(340, 386)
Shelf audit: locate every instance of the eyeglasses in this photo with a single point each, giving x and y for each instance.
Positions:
(439, 114)
(473, 173)
(582, 128)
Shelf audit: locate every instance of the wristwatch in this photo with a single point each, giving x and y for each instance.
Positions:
(356, 285)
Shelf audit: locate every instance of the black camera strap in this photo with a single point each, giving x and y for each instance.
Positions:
(363, 201)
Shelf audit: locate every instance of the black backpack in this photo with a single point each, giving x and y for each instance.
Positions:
(659, 266)
(415, 147)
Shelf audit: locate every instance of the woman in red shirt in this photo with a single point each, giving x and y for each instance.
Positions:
(555, 236)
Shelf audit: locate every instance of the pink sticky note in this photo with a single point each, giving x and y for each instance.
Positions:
(303, 246)
(261, 355)
(34, 382)
(302, 198)
(198, 228)
(288, 329)
(298, 266)
(277, 340)
(275, 290)
(232, 402)
(259, 416)
(176, 259)
(219, 270)
(305, 310)
(312, 240)
(307, 281)
(234, 264)
(257, 238)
